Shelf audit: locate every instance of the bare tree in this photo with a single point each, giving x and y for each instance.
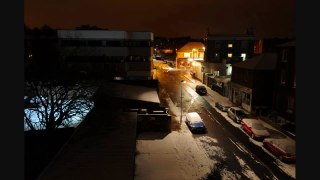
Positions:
(50, 105)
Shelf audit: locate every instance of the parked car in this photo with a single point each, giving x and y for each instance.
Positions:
(236, 114)
(195, 123)
(222, 107)
(254, 128)
(285, 149)
(201, 90)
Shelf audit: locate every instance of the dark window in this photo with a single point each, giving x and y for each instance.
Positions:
(94, 43)
(113, 43)
(284, 56)
(283, 77)
(76, 43)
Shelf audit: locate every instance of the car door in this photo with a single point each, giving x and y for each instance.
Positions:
(233, 113)
(247, 127)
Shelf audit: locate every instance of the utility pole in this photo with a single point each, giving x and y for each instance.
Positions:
(182, 81)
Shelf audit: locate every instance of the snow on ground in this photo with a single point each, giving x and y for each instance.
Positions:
(227, 175)
(209, 144)
(246, 169)
(175, 156)
(178, 154)
(289, 169)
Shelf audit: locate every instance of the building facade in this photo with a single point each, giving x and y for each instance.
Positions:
(107, 54)
(252, 82)
(223, 50)
(285, 81)
(191, 57)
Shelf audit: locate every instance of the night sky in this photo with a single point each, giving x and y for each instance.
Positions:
(171, 18)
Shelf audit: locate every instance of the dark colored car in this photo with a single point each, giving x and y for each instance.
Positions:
(201, 90)
(222, 107)
(285, 149)
(236, 114)
(159, 58)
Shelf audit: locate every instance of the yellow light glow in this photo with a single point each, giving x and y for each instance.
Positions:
(229, 55)
(186, 55)
(230, 45)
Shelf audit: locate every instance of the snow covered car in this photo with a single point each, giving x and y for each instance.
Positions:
(255, 129)
(285, 149)
(195, 123)
(222, 107)
(236, 114)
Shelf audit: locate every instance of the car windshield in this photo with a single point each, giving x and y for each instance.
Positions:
(240, 113)
(290, 149)
(258, 126)
(197, 124)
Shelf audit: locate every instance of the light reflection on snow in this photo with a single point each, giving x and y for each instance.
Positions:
(73, 121)
(246, 170)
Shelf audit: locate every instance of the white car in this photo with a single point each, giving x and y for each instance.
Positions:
(195, 123)
(236, 114)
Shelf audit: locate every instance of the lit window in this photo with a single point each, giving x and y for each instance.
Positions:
(229, 70)
(186, 55)
(230, 45)
(229, 55)
(244, 56)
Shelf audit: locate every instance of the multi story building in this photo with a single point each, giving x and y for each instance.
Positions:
(285, 81)
(252, 81)
(223, 50)
(107, 54)
(190, 57)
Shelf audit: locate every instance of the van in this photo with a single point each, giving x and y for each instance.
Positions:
(201, 90)
(195, 122)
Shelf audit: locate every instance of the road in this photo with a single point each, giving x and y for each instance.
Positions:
(238, 155)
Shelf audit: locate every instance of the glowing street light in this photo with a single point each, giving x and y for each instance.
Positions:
(182, 81)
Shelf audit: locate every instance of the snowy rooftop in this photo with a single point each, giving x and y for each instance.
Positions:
(266, 61)
(132, 92)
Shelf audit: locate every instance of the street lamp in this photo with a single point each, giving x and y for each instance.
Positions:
(182, 81)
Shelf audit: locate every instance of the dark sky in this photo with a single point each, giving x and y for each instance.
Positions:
(171, 18)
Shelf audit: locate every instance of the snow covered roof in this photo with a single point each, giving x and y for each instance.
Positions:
(266, 61)
(192, 45)
(223, 79)
(132, 92)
